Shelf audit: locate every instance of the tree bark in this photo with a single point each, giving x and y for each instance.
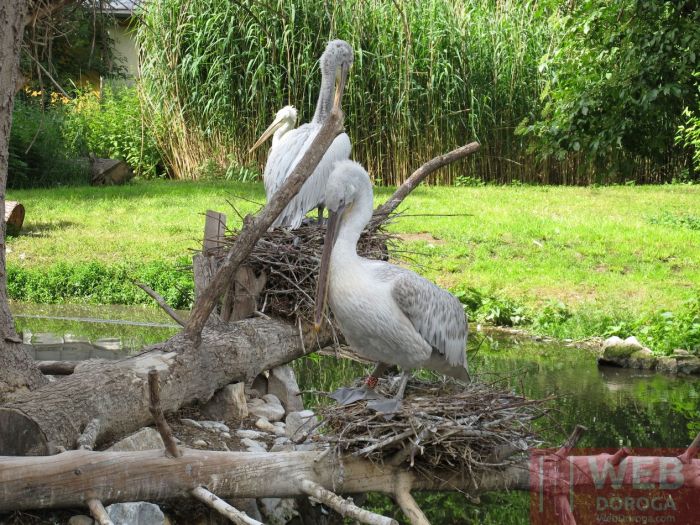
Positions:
(68, 479)
(17, 370)
(52, 417)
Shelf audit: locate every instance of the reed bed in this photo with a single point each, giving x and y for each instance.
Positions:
(444, 424)
(428, 76)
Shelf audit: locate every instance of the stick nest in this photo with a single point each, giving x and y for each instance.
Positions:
(466, 428)
(291, 259)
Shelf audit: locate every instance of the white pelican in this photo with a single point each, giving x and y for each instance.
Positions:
(387, 313)
(289, 146)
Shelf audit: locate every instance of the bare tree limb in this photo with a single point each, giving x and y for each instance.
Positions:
(420, 174)
(212, 500)
(98, 511)
(161, 302)
(157, 412)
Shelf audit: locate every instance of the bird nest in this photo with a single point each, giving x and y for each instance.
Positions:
(444, 425)
(290, 260)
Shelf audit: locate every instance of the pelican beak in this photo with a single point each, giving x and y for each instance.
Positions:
(267, 133)
(323, 274)
(341, 80)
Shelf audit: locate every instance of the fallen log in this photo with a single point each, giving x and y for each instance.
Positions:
(51, 418)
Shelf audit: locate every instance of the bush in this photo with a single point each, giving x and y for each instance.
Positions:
(39, 155)
(112, 128)
(689, 133)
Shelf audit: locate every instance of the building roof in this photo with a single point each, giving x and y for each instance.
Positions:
(123, 7)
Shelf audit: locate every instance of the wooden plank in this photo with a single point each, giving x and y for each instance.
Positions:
(214, 229)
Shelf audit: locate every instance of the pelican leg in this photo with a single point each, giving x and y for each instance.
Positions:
(347, 395)
(320, 214)
(391, 406)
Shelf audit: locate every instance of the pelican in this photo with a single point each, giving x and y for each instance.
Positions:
(289, 145)
(387, 313)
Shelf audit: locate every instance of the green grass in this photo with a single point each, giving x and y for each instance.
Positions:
(571, 262)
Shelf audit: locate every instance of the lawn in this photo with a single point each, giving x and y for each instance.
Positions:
(608, 253)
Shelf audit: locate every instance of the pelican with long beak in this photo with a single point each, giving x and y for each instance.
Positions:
(289, 145)
(387, 314)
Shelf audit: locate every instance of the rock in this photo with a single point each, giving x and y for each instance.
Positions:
(612, 341)
(260, 384)
(214, 426)
(299, 423)
(680, 352)
(200, 443)
(137, 513)
(273, 411)
(272, 399)
(689, 365)
(228, 404)
(253, 446)
(81, 519)
(145, 439)
(667, 364)
(282, 440)
(226, 435)
(632, 341)
(190, 423)
(264, 425)
(278, 511)
(108, 172)
(283, 384)
(643, 359)
(250, 434)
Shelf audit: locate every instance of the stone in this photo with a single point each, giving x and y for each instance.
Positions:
(612, 341)
(135, 513)
(265, 425)
(190, 423)
(689, 365)
(200, 443)
(226, 435)
(228, 404)
(278, 511)
(667, 364)
(260, 384)
(250, 434)
(262, 408)
(272, 399)
(643, 359)
(81, 519)
(253, 446)
(298, 423)
(282, 440)
(283, 384)
(145, 439)
(214, 426)
(680, 352)
(633, 342)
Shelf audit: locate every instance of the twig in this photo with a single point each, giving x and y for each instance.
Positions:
(407, 504)
(421, 173)
(87, 440)
(212, 500)
(161, 302)
(98, 511)
(383, 443)
(344, 507)
(158, 417)
(571, 441)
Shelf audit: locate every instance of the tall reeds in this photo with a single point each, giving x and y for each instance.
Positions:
(429, 76)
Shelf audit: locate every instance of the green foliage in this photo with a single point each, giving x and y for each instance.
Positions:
(617, 84)
(112, 128)
(688, 133)
(665, 331)
(97, 283)
(465, 181)
(677, 220)
(39, 156)
(215, 72)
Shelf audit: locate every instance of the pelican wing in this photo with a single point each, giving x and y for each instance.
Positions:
(437, 315)
(283, 159)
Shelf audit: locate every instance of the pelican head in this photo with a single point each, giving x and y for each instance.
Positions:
(285, 119)
(336, 61)
(348, 191)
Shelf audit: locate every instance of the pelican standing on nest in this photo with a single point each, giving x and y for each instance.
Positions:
(387, 313)
(289, 145)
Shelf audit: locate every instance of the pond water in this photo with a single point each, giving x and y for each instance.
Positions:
(618, 406)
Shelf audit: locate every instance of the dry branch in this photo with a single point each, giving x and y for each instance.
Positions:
(420, 174)
(98, 511)
(161, 302)
(156, 411)
(232, 513)
(342, 506)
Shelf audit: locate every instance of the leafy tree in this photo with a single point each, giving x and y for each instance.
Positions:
(619, 80)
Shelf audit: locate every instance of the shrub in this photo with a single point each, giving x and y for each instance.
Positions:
(113, 128)
(38, 153)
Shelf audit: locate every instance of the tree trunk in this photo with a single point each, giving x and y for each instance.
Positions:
(68, 479)
(17, 370)
(116, 393)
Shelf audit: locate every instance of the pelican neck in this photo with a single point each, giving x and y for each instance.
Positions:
(325, 97)
(353, 222)
(280, 132)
